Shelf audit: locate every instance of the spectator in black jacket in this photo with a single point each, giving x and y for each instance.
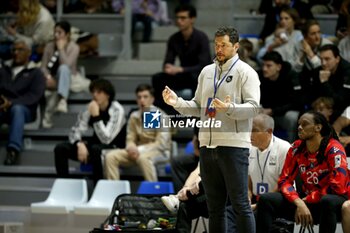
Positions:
(106, 117)
(331, 79)
(191, 47)
(22, 85)
(280, 89)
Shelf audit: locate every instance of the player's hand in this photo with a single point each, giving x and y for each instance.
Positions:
(303, 215)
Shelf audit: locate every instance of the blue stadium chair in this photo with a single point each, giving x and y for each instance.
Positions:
(160, 187)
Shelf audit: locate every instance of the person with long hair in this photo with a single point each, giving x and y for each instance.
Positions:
(59, 63)
(317, 164)
(284, 37)
(34, 24)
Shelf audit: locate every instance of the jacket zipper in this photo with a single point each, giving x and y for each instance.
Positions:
(210, 135)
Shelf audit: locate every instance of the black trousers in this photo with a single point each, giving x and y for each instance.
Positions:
(194, 207)
(147, 26)
(65, 151)
(326, 213)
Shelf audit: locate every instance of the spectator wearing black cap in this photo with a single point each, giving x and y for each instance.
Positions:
(280, 91)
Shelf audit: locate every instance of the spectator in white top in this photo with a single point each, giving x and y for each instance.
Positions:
(285, 36)
(266, 158)
(59, 63)
(306, 52)
(34, 24)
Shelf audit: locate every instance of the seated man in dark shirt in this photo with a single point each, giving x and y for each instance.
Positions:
(21, 86)
(331, 79)
(280, 93)
(191, 47)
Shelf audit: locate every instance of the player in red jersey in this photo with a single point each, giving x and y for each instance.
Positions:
(317, 162)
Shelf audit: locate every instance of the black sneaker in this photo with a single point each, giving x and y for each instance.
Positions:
(11, 157)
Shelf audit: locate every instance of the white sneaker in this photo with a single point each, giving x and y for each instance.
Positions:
(171, 202)
(62, 106)
(47, 124)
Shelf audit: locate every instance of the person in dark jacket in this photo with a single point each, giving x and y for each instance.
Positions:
(280, 91)
(191, 47)
(331, 79)
(106, 117)
(22, 85)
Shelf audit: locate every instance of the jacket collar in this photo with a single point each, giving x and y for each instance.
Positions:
(29, 65)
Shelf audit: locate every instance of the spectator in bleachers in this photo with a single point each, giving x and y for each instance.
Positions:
(106, 117)
(34, 24)
(22, 85)
(59, 65)
(245, 53)
(331, 79)
(285, 36)
(191, 47)
(344, 44)
(346, 216)
(9, 7)
(143, 146)
(280, 93)
(319, 160)
(94, 7)
(51, 5)
(343, 20)
(272, 18)
(322, 6)
(306, 52)
(324, 105)
(146, 12)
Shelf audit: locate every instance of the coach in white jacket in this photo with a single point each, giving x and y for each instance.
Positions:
(227, 92)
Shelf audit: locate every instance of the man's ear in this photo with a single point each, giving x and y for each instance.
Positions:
(236, 46)
(318, 128)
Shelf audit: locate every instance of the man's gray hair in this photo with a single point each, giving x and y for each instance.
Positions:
(266, 120)
(27, 43)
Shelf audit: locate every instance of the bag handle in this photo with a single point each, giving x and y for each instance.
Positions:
(309, 228)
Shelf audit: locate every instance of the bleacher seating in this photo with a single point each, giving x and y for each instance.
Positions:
(64, 195)
(102, 199)
(160, 187)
